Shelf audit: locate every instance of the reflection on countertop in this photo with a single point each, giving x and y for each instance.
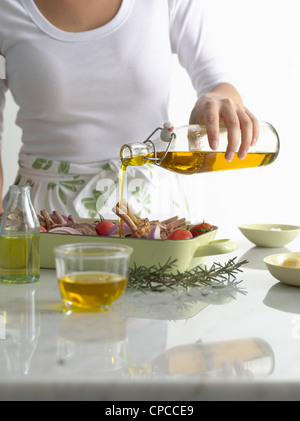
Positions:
(123, 337)
(19, 327)
(255, 256)
(284, 298)
(94, 344)
(173, 304)
(243, 358)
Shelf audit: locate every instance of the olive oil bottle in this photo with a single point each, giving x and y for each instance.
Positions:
(186, 150)
(19, 239)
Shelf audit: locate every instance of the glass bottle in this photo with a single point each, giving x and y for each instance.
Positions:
(186, 150)
(19, 239)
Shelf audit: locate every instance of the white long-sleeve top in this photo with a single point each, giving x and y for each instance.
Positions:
(83, 95)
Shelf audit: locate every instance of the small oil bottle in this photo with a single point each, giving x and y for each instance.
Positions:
(19, 239)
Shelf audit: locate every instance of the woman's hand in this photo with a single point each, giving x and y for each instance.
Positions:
(224, 104)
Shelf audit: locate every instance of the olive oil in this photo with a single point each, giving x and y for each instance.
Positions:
(121, 193)
(19, 259)
(92, 290)
(198, 162)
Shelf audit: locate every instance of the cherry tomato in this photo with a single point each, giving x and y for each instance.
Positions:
(180, 234)
(202, 228)
(42, 229)
(103, 226)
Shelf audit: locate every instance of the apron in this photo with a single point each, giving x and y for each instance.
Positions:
(81, 189)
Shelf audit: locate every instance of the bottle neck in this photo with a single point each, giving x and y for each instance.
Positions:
(18, 197)
(19, 214)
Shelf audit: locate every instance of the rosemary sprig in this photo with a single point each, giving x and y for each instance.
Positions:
(160, 277)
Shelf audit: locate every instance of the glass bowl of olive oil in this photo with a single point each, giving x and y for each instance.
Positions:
(91, 276)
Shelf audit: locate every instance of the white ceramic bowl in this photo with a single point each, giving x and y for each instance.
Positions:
(270, 235)
(286, 275)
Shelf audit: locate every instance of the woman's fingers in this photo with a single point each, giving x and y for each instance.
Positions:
(255, 123)
(211, 116)
(249, 132)
(242, 126)
(230, 116)
(246, 127)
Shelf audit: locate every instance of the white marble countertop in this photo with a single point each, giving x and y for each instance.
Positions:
(155, 346)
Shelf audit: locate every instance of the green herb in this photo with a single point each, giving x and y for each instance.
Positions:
(161, 277)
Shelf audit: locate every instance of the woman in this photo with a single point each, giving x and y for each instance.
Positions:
(91, 76)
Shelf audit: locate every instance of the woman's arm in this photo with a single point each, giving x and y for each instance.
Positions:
(224, 103)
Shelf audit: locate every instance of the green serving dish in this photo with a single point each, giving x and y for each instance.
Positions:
(146, 252)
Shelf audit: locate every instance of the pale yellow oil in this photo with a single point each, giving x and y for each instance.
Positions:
(198, 162)
(92, 290)
(121, 194)
(19, 259)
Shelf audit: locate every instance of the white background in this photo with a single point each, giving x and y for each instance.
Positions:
(261, 40)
